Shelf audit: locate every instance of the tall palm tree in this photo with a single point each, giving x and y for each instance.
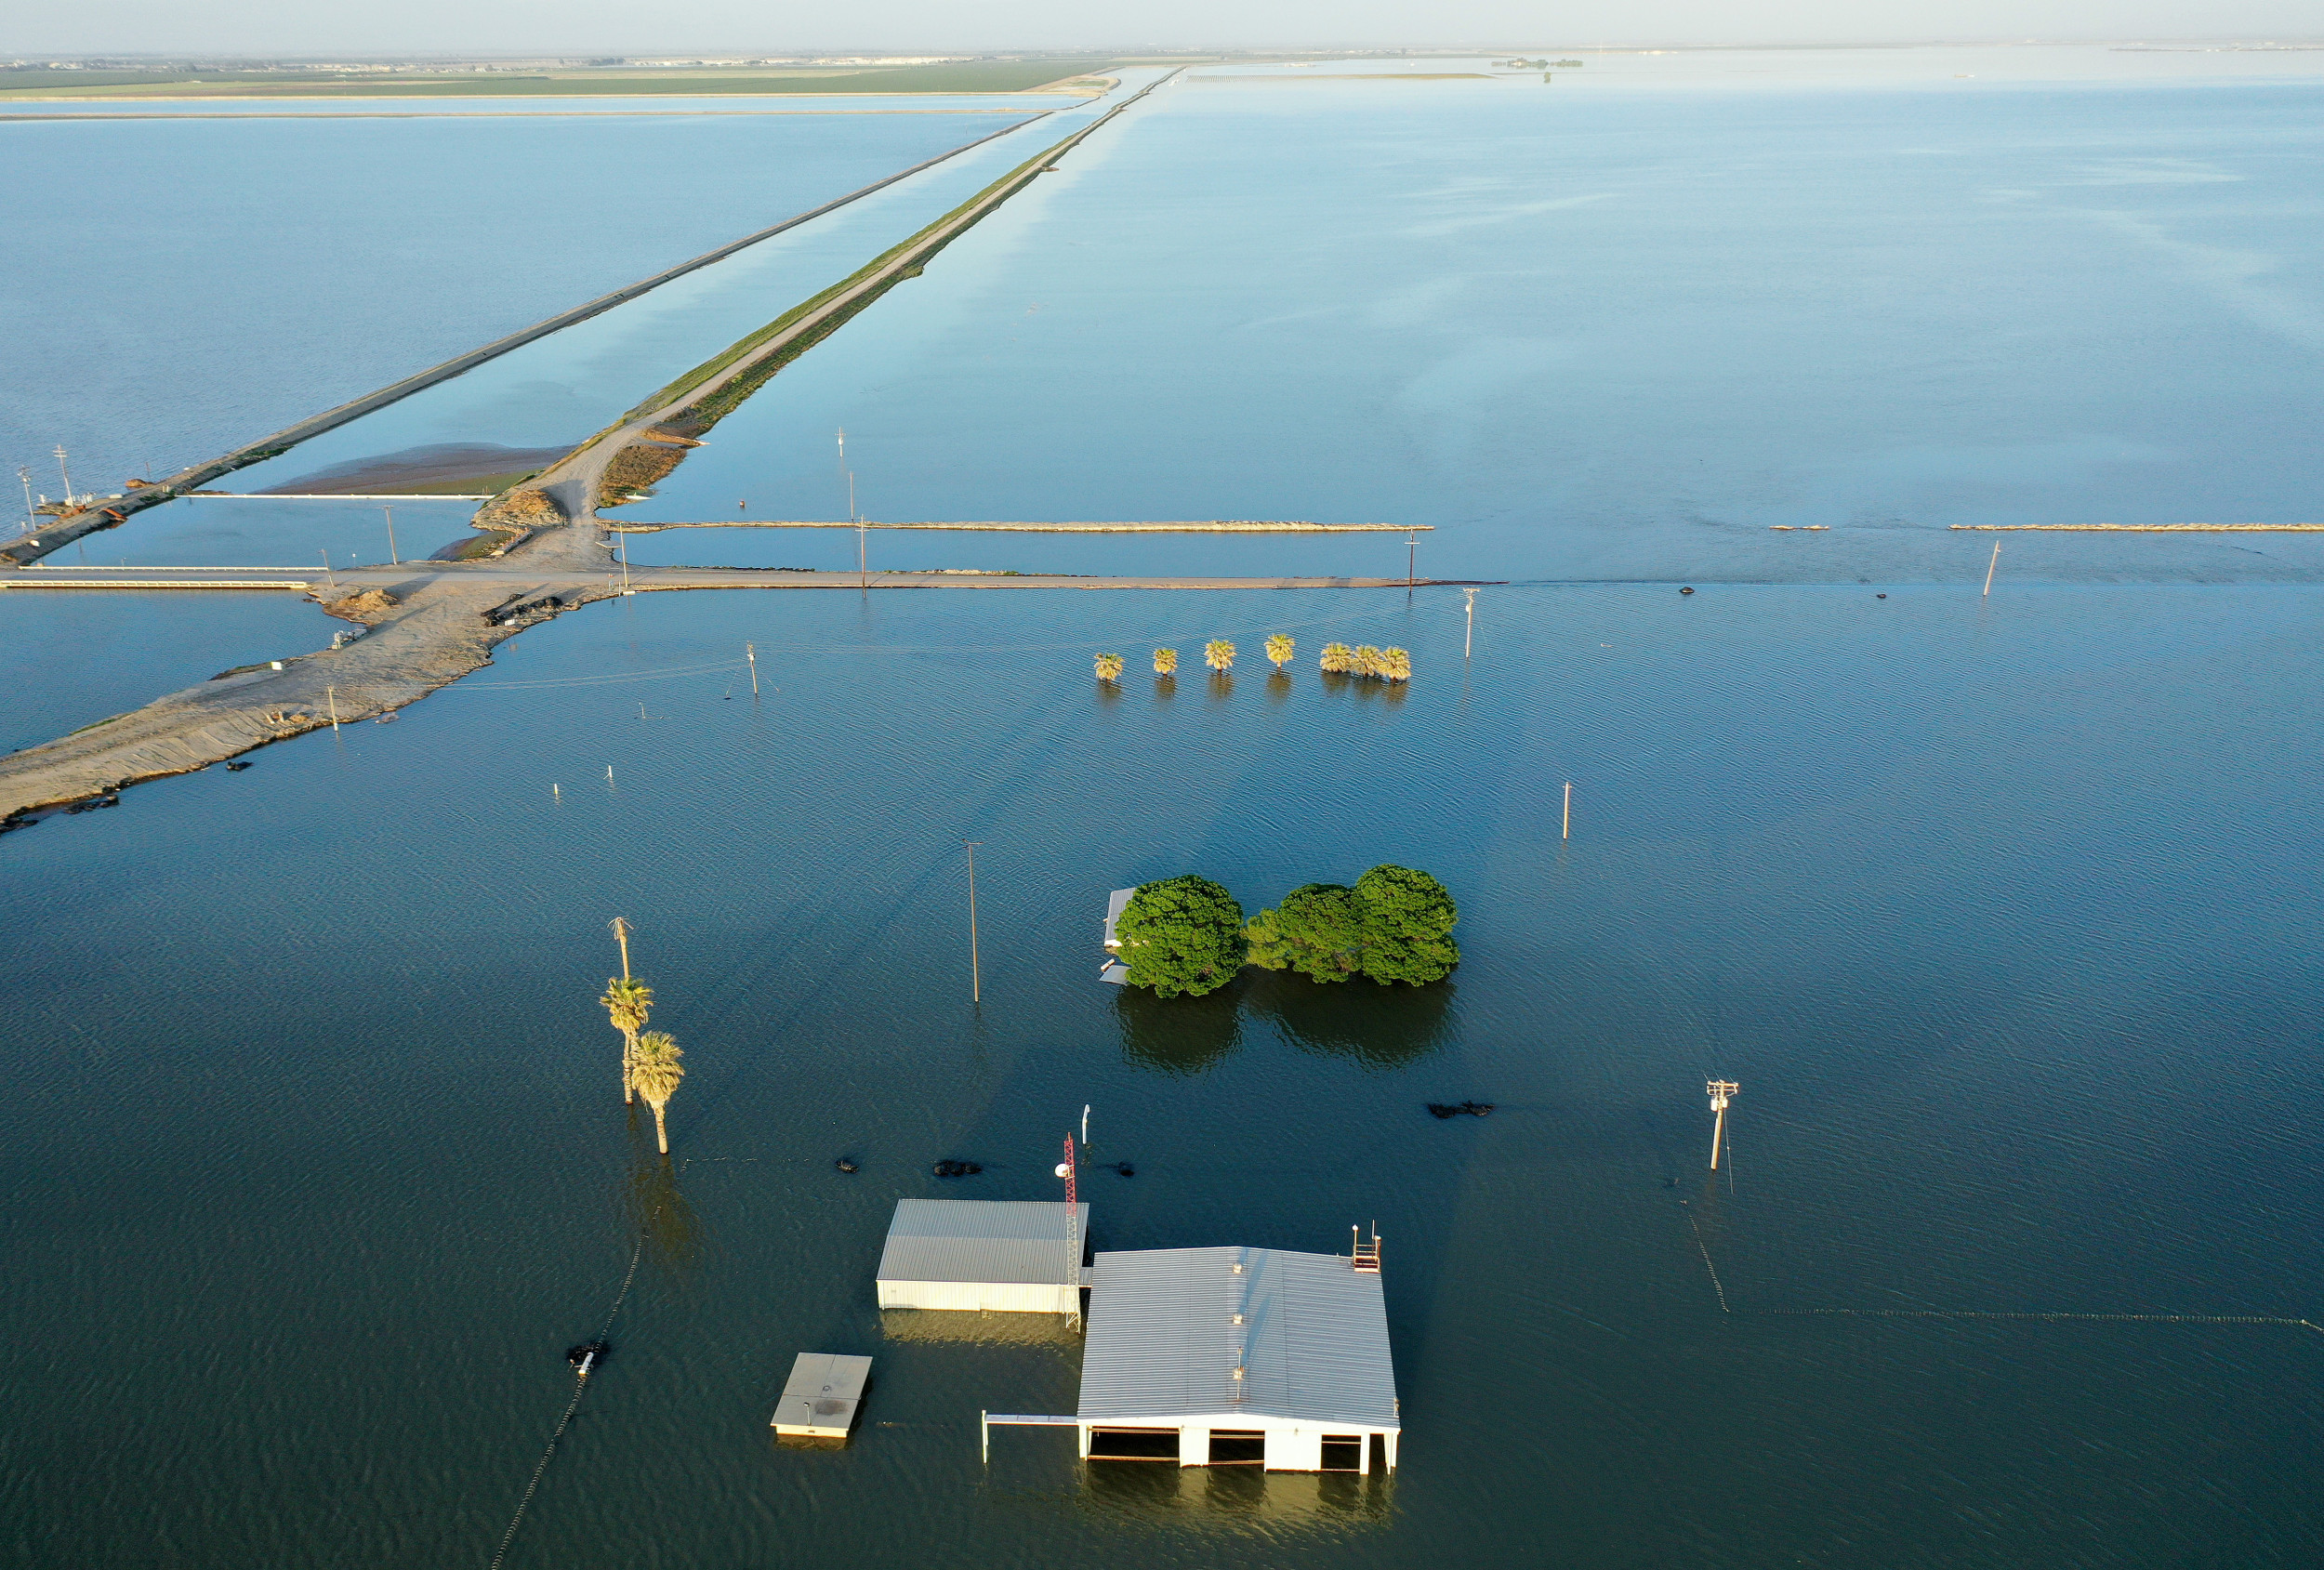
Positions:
(655, 1070)
(1396, 664)
(1279, 649)
(1166, 662)
(1335, 656)
(1219, 655)
(628, 1003)
(1109, 668)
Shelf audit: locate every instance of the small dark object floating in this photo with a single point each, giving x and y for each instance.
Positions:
(1125, 1168)
(236, 768)
(586, 1354)
(1475, 1109)
(958, 1168)
(1686, 591)
(844, 1165)
(1879, 597)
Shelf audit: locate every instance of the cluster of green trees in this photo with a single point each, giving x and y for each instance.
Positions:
(1187, 935)
(1376, 665)
(651, 1061)
(1379, 664)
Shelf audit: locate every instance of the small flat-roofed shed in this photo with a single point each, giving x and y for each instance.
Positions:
(1251, 1356)
(1006, 1256)
(1115, 904)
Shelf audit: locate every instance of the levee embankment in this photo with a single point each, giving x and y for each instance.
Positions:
(113, 511)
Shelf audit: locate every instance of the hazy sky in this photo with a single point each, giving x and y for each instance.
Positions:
(514, 26)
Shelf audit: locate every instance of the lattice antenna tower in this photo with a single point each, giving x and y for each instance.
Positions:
(1719, 1090)
(1067, 1170)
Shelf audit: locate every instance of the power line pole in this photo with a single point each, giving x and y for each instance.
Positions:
(862, 576)
(1468, 639)
(67, 476)
(976, 971)
(1719, 1089)
(751, 650)
(1567, 831)
(621, 928)
(326, 570)
(1411, 562)
(1989, 570)
(393, 559)
(31, 519)
(331, 696)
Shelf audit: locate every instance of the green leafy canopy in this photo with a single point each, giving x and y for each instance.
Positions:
(1182, 935)
(1318, 932)
(1408, 918)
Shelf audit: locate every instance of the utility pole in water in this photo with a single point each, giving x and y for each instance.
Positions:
(1719, 1089)
(392, 558)
(750, 651)
(67, 476)
(31, 519)
(1468, 639)
(976, 972)
(1989, 570)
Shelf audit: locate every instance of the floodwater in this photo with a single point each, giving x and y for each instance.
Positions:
(219, 277)
(1998, 908)
(1611, 335)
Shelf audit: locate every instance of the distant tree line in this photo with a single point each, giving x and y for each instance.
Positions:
(1187, 935)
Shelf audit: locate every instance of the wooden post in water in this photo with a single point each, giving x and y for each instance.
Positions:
(1568, 832)
(1989, 571)
(976, 972)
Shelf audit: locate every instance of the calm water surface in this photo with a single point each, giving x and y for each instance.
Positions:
(1997, 910)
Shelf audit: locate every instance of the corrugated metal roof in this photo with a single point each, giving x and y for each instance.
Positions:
(995, 1240)
(1116, 902)
(1163, 1343)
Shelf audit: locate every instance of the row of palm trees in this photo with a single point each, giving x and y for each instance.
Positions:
(651, 1062)
(1379, 665)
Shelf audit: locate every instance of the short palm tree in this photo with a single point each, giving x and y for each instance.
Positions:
(1166, 662)
(1396, 664)
(655, 1070)
(1219, 655)
(1365, 661)
(627, 1004)
(1109, 668)
(1279, 649)
(1335, 656)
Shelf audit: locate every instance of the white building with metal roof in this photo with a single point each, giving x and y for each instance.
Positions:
(1006, 1256)
(1239, 1356)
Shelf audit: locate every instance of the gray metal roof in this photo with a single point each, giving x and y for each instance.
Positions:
(1015, 1241)
(1116, 902)
(1163, 1343)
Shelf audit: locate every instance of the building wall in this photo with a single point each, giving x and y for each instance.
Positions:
(992, 1296)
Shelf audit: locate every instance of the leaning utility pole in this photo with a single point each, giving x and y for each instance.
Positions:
(621, 935)
(1468, 639)
(393, 559)
(1719, 1089)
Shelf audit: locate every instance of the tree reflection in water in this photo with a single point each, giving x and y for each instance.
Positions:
(1180, 1035)
(1379, 1027)
(671, 1231)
